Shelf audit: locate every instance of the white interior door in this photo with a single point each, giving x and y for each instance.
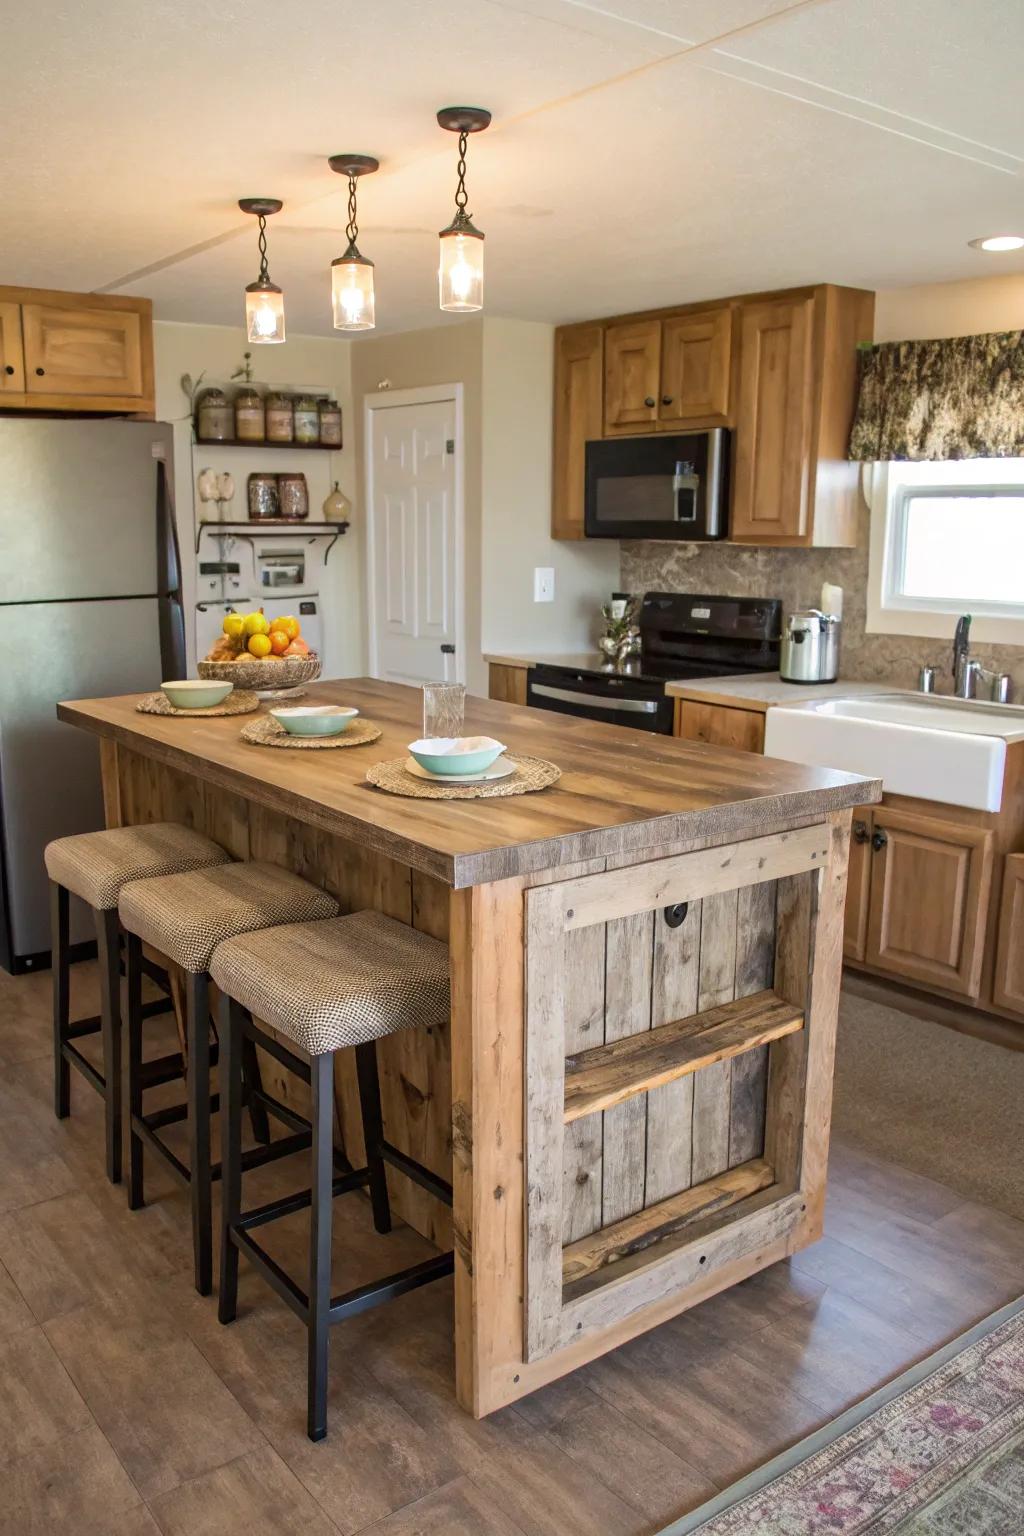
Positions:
(413, 542)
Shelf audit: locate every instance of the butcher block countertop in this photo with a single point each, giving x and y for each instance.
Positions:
(621, 791)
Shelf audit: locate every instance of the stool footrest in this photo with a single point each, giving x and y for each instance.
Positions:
(300, 1201)
(273, 1047)
(79, 1027)
(162, 1069)
(74, 1056)
(417, 1172)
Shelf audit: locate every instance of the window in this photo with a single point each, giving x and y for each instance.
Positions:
(946, 539)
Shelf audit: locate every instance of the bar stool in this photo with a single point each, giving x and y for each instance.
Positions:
(96, 866)
(186, 916)
(325, 987)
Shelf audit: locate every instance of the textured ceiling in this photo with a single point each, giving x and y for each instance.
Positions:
(642, 152)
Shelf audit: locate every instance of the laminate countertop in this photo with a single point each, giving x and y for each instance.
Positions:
(622, 792)
(761, 690)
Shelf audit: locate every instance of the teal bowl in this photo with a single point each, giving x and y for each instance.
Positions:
(441, 756)
(314, 719)
(195, 693)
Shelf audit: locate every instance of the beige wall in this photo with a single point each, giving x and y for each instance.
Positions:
(901, 314)
(303, 361)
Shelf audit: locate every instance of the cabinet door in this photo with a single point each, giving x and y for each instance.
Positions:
(12, 370)
(773, 423)
(632, 370)
(506, 684)
(82, 351)
(930, 884)
(578, 417)
(695, 368)
(720, 726)
(858, 885)
(1008, 987)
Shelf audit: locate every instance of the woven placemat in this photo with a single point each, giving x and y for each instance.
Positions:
(237, 703)
(267, 732)
(531, 773)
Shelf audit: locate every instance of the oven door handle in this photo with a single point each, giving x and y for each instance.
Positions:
(564, 696)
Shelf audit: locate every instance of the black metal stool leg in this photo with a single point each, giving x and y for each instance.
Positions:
(61, 998)
(133, 1071)
(110, 1013)
(197, 1008)
(373, 1133)
(230, 1067)
(318, 1325)
(254, 1084)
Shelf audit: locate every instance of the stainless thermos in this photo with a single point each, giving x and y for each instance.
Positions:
(810, 647)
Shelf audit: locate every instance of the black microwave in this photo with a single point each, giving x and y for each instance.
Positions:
(665, 487)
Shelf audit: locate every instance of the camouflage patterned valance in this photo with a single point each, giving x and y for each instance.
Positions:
(959, 398)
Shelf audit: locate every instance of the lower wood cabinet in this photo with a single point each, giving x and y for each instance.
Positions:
(858, 886)
(506, 684)
(930, 882)
(720, 726)
(1008, 986)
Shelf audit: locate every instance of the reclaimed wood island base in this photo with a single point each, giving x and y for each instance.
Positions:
(633, 1100)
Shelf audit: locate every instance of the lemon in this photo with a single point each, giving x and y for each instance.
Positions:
(233, 625)
(256, 624)
(259, 645)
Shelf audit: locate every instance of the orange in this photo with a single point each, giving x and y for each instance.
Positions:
(279, 641)
(259, 645)
(297, 648)
(286, 623)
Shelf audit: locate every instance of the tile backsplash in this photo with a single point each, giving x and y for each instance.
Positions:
(796, 576)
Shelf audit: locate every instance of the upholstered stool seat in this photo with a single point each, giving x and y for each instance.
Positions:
(96, 866)
(339, 983)
(324, 986)
(186, 916)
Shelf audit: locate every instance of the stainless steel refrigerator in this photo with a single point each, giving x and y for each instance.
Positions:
(90, 604)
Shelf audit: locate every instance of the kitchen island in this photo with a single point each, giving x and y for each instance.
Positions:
(633, 1101)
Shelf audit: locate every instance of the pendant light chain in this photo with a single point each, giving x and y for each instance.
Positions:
(262, 242)
(351, 228)
(461, 196)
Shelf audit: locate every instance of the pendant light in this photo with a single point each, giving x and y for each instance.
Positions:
(264, 301)
(461, 271)
(352, 274)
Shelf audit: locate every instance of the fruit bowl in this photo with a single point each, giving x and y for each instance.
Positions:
(269, 672)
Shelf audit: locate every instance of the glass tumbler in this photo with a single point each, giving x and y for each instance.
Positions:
(444, 709)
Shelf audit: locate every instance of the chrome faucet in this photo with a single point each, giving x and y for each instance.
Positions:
(970, 679)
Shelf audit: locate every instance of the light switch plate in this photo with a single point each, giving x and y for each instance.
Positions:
(543, 584)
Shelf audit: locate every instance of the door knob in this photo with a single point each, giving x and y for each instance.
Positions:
(649, 401)
(879, 839)
(860, 832)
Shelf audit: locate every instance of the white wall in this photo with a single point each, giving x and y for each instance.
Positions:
(302, 361)
(518, 382)
(968, 308)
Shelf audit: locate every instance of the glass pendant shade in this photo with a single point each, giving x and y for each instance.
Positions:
(264, 312)
(461, 271)
(352, 292)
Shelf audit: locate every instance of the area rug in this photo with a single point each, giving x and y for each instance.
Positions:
(937, 1452)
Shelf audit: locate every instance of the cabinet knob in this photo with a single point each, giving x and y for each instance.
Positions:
(879, 840)
(40, 371)
(649, 401)
(9, 368)
(860, 832)
(666, 399)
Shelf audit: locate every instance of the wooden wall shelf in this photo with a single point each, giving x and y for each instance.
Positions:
(236, 442)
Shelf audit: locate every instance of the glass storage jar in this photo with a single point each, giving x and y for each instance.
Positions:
(215, 417)
(293, 496)
(280, 418)
(264, 498)
(307, 420)
(250, 419)
(330, 423)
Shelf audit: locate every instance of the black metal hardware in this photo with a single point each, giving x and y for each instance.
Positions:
(666, 399)
(9, 369)
(40, 371)
(860, 832)
(649, 401)
(675, 916)
(447, 649)
(879, 839)
(353, 166)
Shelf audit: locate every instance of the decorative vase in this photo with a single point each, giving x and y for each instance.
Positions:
(337, 508)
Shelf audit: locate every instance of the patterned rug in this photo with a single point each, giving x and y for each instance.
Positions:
(938, 1452)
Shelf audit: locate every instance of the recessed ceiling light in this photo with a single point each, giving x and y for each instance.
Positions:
(998, 243)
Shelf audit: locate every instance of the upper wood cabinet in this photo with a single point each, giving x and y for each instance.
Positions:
(76, 351)
(632, 377)
(779, 369)
(12, 366)
(579, 353)
(695, 357)
(773, 422)
(930, 885)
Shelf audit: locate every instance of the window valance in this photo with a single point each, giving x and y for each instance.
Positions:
(957, 398)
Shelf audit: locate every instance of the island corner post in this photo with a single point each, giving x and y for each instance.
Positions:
(633, 1100)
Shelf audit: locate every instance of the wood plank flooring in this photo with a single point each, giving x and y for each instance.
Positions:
(126, 1410)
